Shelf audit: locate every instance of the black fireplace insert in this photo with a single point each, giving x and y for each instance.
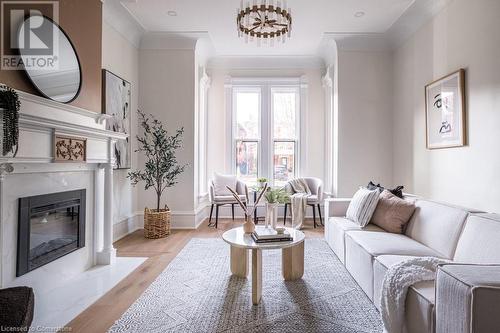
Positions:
(50, 226)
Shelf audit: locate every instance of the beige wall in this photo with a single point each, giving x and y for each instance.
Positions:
(167, 81)
(122, 58)
(364, 119)
(466, 34)
(82, 21)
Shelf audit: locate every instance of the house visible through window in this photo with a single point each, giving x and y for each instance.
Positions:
(265, 132)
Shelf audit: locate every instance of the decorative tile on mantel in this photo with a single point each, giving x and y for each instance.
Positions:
(58, 306)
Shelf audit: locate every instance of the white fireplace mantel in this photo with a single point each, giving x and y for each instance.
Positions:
(39, 120)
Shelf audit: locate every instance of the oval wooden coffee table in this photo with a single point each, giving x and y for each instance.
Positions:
(292, 257)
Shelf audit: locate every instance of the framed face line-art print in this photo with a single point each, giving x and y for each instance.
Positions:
(116, 94)
(445, 113)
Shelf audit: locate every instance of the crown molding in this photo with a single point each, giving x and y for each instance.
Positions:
(356, 41)
(115, 14)
(265, 62)
(419, 13)
(412, 19)
(175, 40)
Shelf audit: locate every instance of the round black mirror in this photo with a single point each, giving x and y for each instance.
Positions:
(49, 59)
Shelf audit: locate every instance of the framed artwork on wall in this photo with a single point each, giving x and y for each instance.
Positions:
(116, 94)
(445, 112)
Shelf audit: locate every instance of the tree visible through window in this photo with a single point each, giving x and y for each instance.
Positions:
(265, 133)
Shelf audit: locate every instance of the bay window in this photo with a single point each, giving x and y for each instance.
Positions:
(265, 132)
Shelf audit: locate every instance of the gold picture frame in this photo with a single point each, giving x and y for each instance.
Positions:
(445, 112)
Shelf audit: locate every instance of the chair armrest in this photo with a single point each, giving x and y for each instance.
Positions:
(211, 192)
(336, 206)
(467, 298)
(242, 189)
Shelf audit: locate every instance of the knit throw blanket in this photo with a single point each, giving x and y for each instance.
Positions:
(299, 194)
(397, 280)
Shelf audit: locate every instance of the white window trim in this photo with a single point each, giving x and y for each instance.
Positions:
(266, 84)
(201, 136)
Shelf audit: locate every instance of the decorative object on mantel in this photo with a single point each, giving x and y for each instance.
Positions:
(249, 225)
(445, 112)
(9, 118)
(274, 196)
(69, 149)
(116, 95)
(161, 170)
(267, 22)
(61, 79)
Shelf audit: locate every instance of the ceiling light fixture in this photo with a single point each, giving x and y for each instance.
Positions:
(266, 22)
(359, 14)
(172, 13)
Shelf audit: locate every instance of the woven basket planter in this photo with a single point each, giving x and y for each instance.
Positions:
(156, 223)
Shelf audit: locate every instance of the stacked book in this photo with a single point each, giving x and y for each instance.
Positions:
(267, 235)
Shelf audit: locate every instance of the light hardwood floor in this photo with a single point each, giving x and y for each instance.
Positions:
(104, 312)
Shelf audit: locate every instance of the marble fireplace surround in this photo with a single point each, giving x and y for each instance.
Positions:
(33, 172)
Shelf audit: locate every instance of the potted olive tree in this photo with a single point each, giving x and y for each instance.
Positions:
(161, 170)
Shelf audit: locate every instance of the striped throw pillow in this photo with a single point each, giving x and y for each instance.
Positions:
(362, 206)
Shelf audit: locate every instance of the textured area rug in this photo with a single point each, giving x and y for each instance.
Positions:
(196, 293)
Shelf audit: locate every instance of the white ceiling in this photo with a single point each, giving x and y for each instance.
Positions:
(311, 20)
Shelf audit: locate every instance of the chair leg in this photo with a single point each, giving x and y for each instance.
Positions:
(216, 215)
(211, 211)
(284, 215)
(320, 217)
(232, 210)
(314, 215)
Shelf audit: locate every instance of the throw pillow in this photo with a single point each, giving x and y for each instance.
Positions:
(220, 183)
(397, 191)
(392, 213)
(362, 206)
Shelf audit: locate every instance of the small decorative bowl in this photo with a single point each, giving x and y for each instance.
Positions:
(280, 230)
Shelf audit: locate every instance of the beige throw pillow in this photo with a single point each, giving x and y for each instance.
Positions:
(392, 213)
(362, 206)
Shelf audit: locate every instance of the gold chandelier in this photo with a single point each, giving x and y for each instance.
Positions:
(266, 22)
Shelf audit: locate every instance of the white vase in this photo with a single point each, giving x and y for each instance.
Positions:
(271, 214)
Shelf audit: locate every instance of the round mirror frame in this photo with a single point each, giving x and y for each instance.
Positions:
(61, 30)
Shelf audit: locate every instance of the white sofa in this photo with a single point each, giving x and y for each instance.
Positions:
(435, 229)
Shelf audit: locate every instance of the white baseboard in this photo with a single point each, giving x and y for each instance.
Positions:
(127, 226)
(179, 220)
(191, 219)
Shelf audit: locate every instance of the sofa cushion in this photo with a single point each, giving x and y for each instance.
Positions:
(361, 248)
(420, 298)
(380, 266)
(483, 229)
(392, 213)
(467, 296)
(221, 199)
(419, 313)
(335, 228)
(437, 226)
(379, 243)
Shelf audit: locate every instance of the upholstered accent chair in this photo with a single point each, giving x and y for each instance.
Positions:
(221, 199)
(314, 200)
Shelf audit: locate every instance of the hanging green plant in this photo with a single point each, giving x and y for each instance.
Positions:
(9, 109)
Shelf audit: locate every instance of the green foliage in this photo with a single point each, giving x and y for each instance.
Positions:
(262, 180)
(9, 102)
(277, 195)
(161, 168)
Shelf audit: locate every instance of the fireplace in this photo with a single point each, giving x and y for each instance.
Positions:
(50, 226)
